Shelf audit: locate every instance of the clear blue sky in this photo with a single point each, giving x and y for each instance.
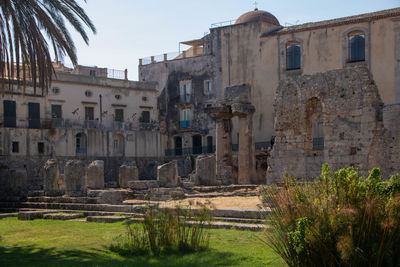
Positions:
(131, 29)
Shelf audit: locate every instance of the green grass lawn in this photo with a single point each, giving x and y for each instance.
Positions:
(66, 243)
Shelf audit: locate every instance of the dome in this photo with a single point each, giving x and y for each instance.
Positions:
(258, 15)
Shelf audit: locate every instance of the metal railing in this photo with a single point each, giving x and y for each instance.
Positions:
(185, 124)
(18, 122)
(116, 74)
(318, 143)
(190, 151)
(160, 58)
(223, 23)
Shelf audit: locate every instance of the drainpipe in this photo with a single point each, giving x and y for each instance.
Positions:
(101, 108)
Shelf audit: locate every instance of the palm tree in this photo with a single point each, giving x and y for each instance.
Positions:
(26, 27)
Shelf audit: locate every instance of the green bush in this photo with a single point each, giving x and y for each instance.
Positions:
(342, 219)
(165, 231)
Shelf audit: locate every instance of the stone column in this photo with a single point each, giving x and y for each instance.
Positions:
(246, 150)
(52, 181)
(224, 165)
(74, 178)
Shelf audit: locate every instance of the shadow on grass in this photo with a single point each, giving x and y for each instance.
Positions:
(36, 256)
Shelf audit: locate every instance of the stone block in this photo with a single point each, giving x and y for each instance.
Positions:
(95, 175)
(74, 178)
(167, 174)
(143, 185)
(127, 173)
(53, 184)
(205, 171)
(110, 197)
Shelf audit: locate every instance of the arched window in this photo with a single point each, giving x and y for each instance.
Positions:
(318, 134)
(81, 143)
(356, 46)
(293, 56)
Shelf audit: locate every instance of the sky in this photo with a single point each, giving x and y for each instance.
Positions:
(131, 29)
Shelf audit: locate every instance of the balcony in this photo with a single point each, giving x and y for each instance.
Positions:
(12, 122)
(186, 99)
(185, 124)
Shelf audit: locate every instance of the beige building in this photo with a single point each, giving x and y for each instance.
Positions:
(85, 114)
(258, 51)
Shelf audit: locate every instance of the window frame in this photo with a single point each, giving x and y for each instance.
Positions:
(291, 59)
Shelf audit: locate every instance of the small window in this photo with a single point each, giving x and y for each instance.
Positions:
(55, 90)
(118, 97)
(144, 98)
(88, 93)
(145, 116)
(92, 73)
(119, 115)
(293, 56)
(207, 87)
(185, 91)
(15, 147)
(357, 47)
(41, 148)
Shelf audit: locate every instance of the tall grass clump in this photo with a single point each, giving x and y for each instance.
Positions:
(166, 231)
(342, 219)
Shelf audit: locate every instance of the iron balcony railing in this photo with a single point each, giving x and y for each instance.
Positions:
(33, 123)
(186, 124)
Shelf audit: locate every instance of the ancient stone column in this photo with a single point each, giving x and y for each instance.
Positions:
(52, 180)
(74, 178)
(167, 174)
(247, 159)
(127, 173)
(95, 175)
(224, 165)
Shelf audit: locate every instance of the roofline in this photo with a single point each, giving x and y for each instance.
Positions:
(335, 22)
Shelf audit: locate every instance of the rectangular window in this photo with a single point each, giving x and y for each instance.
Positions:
(357, 47)
(92, 73)
(10, 113)
(89, 113)
(56, 111)
(15, 147)
(293, 57)
(34, 115)
(145, 116)
(41, 148)
(119, 115)
(207, 87)
(185, 118)
(185, 91)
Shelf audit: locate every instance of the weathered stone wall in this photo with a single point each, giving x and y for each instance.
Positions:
(167, 174)
(349, 105)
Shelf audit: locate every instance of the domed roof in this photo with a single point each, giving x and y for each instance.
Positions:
(258, 15)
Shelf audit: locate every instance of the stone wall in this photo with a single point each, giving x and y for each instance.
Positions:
(348, 104)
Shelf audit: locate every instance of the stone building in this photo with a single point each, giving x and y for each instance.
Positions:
(256, 50)
(86, 114)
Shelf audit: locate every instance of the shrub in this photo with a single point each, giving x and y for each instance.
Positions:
(342, 219)
(166, 230)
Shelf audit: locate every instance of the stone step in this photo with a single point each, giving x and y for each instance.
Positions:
(62, 216)
(239, 220)
(81, 207)
(217, 225)
(8, 215)
(87, 213)
(230, 194)
(64, 199)
(32, 215)
(224, 188)
(106, 219)
(10, 205)
(36, 193)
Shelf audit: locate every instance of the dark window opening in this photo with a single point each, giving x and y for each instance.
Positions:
(34, 115)
(80, 143)
(318, 134)
(10, 113)
(119, 115)
(15, 147)
(293, 57)
(145, 116)
(197, 146)
(178, 146)
(41, 148)
(357, 48)
(210, 144)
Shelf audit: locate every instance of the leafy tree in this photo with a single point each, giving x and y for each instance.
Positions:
(24, 49)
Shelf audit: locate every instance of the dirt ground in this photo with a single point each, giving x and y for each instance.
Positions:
(216, 202)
